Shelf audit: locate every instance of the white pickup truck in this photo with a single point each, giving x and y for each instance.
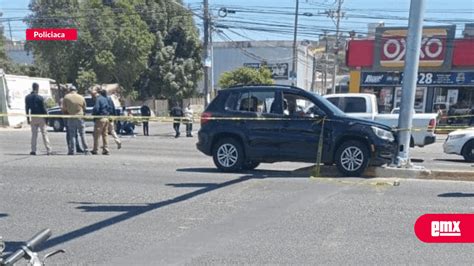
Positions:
(363, 105)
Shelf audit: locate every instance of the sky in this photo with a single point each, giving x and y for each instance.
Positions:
(274, 19)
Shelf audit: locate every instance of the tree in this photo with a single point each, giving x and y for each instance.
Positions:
(85, 80)
(174, 65)
(5, 62)
(150, 46)
(57, 59)
(246, 76)
(116, 43)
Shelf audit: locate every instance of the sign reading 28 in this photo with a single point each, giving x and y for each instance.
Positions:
(423, 78)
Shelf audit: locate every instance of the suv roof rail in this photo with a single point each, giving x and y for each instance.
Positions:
(268, 85)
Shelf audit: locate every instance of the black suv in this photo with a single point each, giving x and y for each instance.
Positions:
(246, 125)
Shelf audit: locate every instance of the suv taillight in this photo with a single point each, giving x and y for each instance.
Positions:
(432, 124)
(205, 117)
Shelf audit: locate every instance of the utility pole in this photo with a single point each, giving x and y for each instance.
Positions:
(325, 75)
(10, 29)
(212, 62)
(207, 64)
(295, 52)
(338, 15)
(410, 77)
(313, 78)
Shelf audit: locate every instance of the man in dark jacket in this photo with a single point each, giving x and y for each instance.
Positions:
(34, 105)
(177, 114)
(145, 111)
(101, 126)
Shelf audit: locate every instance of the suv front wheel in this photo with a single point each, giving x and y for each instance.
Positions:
(228, 155)
(352, 158)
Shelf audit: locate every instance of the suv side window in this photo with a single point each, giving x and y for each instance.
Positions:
(262, 102)
(299, 106)
(231, 102)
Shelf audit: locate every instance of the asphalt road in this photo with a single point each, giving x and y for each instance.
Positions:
(159, 201)
(433, 157)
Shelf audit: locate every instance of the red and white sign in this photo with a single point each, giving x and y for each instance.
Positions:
(51, 34)
(445, 228)
(432, 53)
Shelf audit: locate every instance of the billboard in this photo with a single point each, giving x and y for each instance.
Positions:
(425, 78)
(279, 70)
(436, 47)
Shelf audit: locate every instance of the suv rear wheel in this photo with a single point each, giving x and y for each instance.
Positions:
(228, 155)
(352, 158)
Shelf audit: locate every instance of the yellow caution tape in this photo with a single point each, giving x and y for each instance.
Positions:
(184, 120)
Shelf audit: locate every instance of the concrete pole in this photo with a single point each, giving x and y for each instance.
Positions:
(3, 99)
(410, 77)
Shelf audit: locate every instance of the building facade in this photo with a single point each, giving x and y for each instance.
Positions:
(276, 55)
(446, 70)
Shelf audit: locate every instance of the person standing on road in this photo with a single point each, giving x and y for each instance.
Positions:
(188, 114)
(471, 116)
(176, 113)
(75, 104)
(78, 146)
(145, 111)
(34, 105)
(111, 127)
(101, 126)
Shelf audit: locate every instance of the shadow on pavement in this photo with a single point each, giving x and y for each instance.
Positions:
(3, 215)
(189, 185)
(199, 170)
(258, 173)
(110, 208)
(12, 246)
(456, 195)
(451, 160)
(131, 211)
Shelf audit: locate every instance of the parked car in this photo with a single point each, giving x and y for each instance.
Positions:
(248, 125)
(364, 105)
(461, 142)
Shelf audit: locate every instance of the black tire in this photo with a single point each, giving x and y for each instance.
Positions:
(467, 151)
(250, 165)
(58, 125)
(235, 155)
(352, 158)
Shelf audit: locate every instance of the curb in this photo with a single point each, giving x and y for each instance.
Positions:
(392, 172)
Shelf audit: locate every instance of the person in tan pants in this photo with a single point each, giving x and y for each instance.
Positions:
(101, 127)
